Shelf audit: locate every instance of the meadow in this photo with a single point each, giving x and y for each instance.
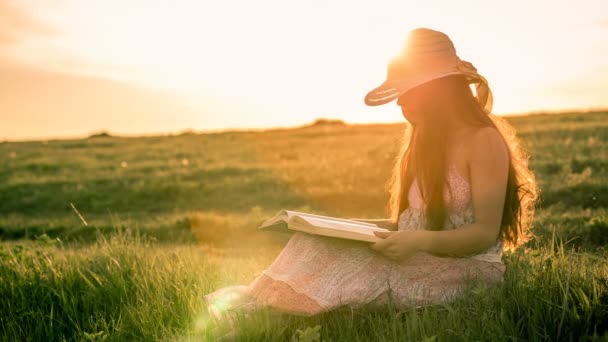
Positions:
(133, 266)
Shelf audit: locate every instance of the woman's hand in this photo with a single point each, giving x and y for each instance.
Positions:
(398, 245)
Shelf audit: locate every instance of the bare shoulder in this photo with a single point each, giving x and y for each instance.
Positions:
(486, 145)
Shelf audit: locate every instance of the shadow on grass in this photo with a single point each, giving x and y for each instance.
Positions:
(158, 206)
(223, 190)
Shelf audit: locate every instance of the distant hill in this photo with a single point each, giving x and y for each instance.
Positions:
(328, 122)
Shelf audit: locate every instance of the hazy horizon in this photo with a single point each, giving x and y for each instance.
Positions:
(262, 129)
(71, 68)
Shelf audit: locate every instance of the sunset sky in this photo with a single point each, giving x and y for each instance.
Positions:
(72, 67)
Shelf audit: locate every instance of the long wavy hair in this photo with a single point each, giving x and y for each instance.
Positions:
(423, 156)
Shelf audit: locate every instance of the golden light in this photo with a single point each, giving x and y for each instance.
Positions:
(278, 63)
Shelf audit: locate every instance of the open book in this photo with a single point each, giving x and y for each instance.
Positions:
(288, 220)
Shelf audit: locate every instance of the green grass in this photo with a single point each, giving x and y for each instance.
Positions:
(139, 269)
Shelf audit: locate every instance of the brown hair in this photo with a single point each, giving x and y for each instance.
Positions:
(453, 95)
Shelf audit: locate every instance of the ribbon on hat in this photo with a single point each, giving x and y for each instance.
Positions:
(466, 66)
(482, 89)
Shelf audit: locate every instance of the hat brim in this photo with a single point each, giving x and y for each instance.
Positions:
(391, 90)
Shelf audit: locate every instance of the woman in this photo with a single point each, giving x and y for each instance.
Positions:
(461, 192)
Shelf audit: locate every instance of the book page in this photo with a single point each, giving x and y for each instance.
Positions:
(291, 213)
(299, 224)
(280, 216)
(345, 226)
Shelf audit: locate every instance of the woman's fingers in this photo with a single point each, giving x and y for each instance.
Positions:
(383, 235)
(384, 243)
(388, 249)
(378, 246)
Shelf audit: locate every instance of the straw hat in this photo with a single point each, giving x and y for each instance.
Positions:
(428, 55)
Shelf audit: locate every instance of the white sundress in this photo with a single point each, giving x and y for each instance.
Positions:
(313, 274)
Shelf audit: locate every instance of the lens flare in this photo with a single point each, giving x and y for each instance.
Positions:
(225, 299)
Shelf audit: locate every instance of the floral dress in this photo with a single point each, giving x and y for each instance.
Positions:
(313, 274)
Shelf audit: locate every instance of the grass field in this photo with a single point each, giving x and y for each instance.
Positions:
(138, 269)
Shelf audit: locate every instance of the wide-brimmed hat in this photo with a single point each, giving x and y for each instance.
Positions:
(428, 55)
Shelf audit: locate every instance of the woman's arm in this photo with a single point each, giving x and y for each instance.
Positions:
(489, 170)
(489, 167)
